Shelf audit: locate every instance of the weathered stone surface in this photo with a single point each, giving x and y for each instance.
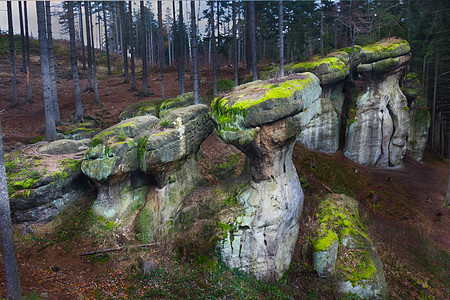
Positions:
(378, 126)
(342, 248)
(139, 109)
(183, 100)
(419, 117)
(263, 119)
(65, 146)
(49, 195)
(86, 130)
(384, 49)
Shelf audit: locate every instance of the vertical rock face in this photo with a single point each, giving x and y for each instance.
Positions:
(419, 117)
(342, 248)
(144, 167)
(322, 133)
(377, 130)
(263, 119)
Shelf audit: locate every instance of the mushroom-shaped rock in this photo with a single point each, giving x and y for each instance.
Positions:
(342, 248)
(322, 133)
(377, 131)
(112, 163)
(263, 119)
(169, 154)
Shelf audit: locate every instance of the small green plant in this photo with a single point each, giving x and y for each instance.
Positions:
(164, 123)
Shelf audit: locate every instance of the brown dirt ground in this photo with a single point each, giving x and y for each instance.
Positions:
(410, 196)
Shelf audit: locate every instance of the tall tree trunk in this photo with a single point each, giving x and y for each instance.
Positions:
(194, 52)
(124, 42)
(27, 45)
(161, 48)
(176, 40)
(280, 32)
(12, 51)
(82, 35)
(144, 53)
(108, 62)
(73, 63)
(89, 47)
(218, 40)
(447, 196)
(9, 254)
(321, 27)
(94, 67)
(133, 70)
(251, 5)
(50, 128)
(116, 27)
(433, 109)
(51, 60)
(235, 45)
(22, 39)
(213, 48)
(182, 47)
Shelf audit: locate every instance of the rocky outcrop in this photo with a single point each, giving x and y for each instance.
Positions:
(322, 133)
(263, 120)
(378, 122)
(419, 117)
(144, 168)
(342, 249)
(65, 146)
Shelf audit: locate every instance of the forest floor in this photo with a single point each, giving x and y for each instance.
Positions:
(407, 221)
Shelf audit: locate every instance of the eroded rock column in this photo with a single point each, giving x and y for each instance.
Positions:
(378, 126)
(263, 119)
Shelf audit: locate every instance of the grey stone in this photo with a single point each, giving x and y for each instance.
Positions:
(65, 146)
(146, 264)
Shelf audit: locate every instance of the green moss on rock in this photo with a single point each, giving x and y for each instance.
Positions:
(384, 49)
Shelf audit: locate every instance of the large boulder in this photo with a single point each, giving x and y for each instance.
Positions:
(145, 167)
(419, 117)
(65, 146)
(378, 125)
(263, 120)
(322, 133)
(343, 250)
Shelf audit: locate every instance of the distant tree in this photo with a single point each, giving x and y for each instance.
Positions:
(89, 47)
(144, 52)
(51, 60)
(161, 48)
(235, 45)
(194, 52)
(27, 46)
(94, 67)
(12, 51)
(213, 47)
(252, 21)
(447, 196)
(124, 41)
(22, 39)
(108, 62)
(9, 254)
(281, 30)
(50, 128)
(133, 70)
(182, 47)
(73, 59)
(80, 12)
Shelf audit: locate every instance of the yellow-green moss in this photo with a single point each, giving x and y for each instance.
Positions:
(325, 241)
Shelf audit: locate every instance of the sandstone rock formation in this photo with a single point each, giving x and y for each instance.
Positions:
(419, 117)
(378, 123)
(144, 168)
(342, 248)
(322, 133)
(263, 120)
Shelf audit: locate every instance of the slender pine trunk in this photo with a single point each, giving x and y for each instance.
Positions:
(133, 70)
(235, 45)
(22, 39)
(94, 67)
(9, 254)
(433, 110)
(161, 49)
(50, 128)
(73, 63)
(82, 35)
(124, 42)
(194, 52)
(89, 47)
(51, 60)
(280, 32)
(144, 53)
(182, 47)
(213, 48)
(252, 20)
(27, 46)
(108, 62)
(12, 51)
